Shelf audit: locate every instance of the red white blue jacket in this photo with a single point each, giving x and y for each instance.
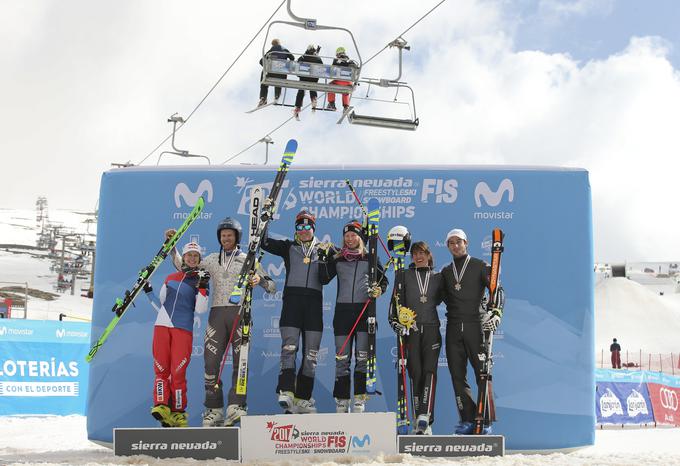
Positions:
(178, 300)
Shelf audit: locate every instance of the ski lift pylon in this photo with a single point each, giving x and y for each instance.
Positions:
(326, 73)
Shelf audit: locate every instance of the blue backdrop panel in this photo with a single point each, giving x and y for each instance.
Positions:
(42, 370)
(543, 377)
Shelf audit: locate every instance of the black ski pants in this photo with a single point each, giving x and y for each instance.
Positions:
(221, 323)
(301, 317)
(422, 353)
(463, 344)
(344, 319)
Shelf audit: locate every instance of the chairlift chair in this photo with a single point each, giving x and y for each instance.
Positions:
(325, 73)
(410, 124)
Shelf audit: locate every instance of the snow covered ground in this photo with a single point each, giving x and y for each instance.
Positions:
(63, 440)
(637, 315)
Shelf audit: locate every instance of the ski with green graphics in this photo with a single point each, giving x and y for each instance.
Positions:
(122, 304)
(372, 220)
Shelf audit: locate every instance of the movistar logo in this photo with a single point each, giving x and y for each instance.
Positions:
(361, 442)
(190, 197)
(493, 198)
(3, 330)
(60, 332)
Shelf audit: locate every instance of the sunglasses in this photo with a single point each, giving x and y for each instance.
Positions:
(302, 227)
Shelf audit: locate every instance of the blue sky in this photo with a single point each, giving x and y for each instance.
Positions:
(594, 29)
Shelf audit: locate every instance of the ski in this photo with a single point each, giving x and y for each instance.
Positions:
(122, 304)
(399, 249)
(256, 201)
(373, 219)
(345, 112)
(260, 107)
(485, 404)
(242, 290)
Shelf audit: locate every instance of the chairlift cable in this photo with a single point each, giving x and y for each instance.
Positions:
(186, 120)
(363, 64)
(407, 30)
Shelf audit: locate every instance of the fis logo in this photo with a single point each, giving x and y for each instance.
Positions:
(444, 191)
(190, 197)
(493, 198)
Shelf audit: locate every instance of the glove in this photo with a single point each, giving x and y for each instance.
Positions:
(147, 287)
(169, 233)
(492, 319)
(374, 291)
(324, 251)
(398, 328)
(203, 278)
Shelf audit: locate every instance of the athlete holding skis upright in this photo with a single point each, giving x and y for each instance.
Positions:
(223, 322)
(463, 284)
(182, 294)
(351, 265)
(421, 292)
(301, 313)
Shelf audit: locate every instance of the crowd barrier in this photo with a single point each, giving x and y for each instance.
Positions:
(636, 397)
(42, 367)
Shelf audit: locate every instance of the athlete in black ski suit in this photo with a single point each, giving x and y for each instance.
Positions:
(463, 289)
(350, 264)
(421, 291)
(301, 314)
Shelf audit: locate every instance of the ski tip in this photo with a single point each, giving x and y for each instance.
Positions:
(373, 208)
(291, 147)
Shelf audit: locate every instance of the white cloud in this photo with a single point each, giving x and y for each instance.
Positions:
(94, 84)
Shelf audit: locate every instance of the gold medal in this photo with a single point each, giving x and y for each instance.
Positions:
(306, 260)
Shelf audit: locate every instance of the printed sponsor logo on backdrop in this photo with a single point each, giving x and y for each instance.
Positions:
(63, 333)
(38, 368)
(330, 198)
(273, 330)
(636, 404)
(11, 331)
(485, 198)
(245, 184)
(185, 197)
(610, 404)
(289, 439)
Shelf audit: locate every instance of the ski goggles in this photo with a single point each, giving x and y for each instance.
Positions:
(303, 227)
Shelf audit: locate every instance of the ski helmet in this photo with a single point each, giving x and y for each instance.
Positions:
(399, 239)
(230, 224)
(191, 247)
(312, 49)
(304, 217)
(353, 226)
(340, 51)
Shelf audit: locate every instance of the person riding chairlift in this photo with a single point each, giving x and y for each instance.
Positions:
(341, 59)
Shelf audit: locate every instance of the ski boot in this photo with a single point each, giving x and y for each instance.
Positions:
(331, 106)
(303, 406)
(286, 401)
(314, 105)
(162, 414)
(359, 403)
(262, 102)
(422, 423)
(179, 419)
(296, 113)
(341, 405)
(464, 428)
(234, 414)
(213, 417)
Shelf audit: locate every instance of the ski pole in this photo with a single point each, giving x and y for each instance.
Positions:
(363, 209)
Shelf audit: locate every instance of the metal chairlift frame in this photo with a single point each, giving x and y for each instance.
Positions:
(174, 119)
(384, 122)
(309, 70)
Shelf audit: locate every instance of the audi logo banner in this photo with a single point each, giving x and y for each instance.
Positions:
(665, 403)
